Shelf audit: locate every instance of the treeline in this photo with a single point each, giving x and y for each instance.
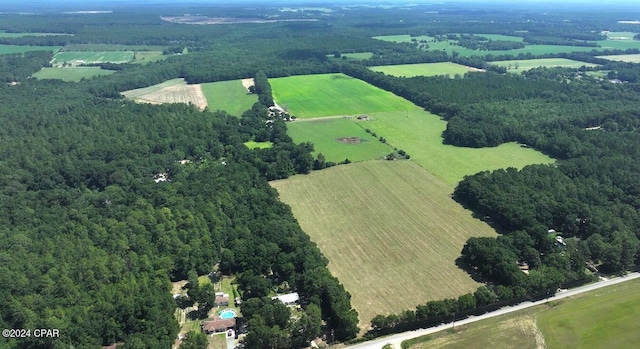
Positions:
(18, 67)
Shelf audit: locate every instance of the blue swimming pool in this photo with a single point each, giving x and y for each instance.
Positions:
(227, 314)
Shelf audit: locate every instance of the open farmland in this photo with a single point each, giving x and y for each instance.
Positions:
(352, 56)
(87, 57)
(74, 74)
(390, 230)
(230, 96)
(307, 96)
(419, 133)
(338, 139)
(171, 91)
(526, 64)
(576, 322)
(631, 58)
(424, 69)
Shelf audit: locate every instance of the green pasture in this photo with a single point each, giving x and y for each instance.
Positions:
(390, 230)
(73, 74)
(258, 145)
(631, 58)
(419, 133)
(499, 37)
(604, 318)
(8, 49)
(450, 45)
(84, 57)
(229, 96)
(423, 69)
(526, 64)
(307, 96)
(620, 35)
(143, 57)
(328, 134)
(111, 47)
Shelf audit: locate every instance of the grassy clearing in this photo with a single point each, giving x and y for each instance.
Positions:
(423, 69)
(339, 139)
(419, 133)
(307, 96)
(499, 37)
(230, 96)
(526, 64)
(633, 58)
(83, 57)
(143, 57)
(171, 91)
(620, 35)
(73, 74)
(111, 47)
(217, 341)
(605, 318)
(4, 34)
(390, 230)
(259, 145)
(9, 49)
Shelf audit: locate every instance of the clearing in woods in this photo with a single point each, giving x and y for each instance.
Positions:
(171, 91)
(419, 133)
(526, 64)
(231, 96)
(87, 57)
(424, 69)
(390, 230)
(336, 139)
(307, 96)
(74, 74)
(630, 58)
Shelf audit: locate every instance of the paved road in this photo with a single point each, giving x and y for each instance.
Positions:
(398, 338)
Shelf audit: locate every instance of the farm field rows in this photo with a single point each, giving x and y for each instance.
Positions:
(306, 96)
(526, 64)
(423, 69)
(92, 57)
(230, 96)
(74, 74)
(419, 133)
(631, 58)
(171, 91)
(338, 139)
(393, 223)
(604, 318)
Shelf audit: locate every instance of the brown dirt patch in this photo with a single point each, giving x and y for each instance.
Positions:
(247, 83)
(350, 140)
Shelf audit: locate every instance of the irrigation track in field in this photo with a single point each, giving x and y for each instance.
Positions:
(396, 339)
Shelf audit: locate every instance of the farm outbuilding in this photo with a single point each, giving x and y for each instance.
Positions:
(288, 299)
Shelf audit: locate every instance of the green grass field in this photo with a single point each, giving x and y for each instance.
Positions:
(605, 318)
(526, 64)
(111, 47)
(390, 230)
(307, 96)
(143, 57)
(8, 49)
(423, 69)
(81, 57)
(631, 58)
(230, 96)
(329, 137)
(4, 34)
(620, 35)
(74, 74)
(449, 46)
(259, 145)
(419, 133)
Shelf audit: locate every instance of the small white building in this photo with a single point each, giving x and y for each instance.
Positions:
(288, 299)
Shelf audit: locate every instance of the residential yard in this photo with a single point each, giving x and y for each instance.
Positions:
(390, 230)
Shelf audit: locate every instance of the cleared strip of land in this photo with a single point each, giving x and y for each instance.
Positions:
(423, 69)
(526, 64)
(307, 96)
(171, 91)
(631, 58)
(390, 230)
(231, 96)
(419, 133)
(71, 73)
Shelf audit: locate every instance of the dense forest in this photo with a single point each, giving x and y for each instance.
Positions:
(92, 241)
